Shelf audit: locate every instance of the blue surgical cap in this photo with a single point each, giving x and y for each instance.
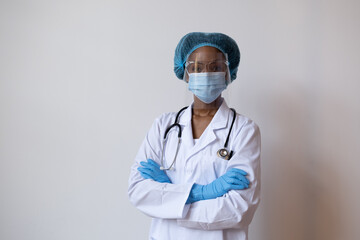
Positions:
(192, 41)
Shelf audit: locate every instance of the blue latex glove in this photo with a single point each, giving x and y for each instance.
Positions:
(233, 179)
(151, 170)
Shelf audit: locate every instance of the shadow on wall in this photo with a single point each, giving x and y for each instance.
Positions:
(298, 200)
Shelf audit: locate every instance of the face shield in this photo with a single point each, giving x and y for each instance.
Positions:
(207, 62)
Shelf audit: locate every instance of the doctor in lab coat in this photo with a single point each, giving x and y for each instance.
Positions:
(205, 127)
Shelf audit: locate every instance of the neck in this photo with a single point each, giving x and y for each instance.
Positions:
(204, 109)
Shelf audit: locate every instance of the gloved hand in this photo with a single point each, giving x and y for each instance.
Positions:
(151, 170)
(233, 179)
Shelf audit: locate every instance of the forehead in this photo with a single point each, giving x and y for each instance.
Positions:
(206, 53)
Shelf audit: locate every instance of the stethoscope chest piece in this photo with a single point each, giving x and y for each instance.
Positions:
(223, 153)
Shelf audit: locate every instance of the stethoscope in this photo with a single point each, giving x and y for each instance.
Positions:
(222, 153)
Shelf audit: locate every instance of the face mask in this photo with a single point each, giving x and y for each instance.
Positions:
(207, 86)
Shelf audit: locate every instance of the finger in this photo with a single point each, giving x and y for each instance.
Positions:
(235, 181)
(147, 165)
(152, 162)
(242, 178)
(146, 176)
(151, 167)
(237, 176)
(239, 187)
(237, 170)
(242, 183)
(155, 169)
(245, 180)
(142, 163)
(146, 171)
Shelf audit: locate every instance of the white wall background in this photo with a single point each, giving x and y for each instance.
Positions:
(82, 81)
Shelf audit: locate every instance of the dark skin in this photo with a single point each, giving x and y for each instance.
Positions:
(203, 113)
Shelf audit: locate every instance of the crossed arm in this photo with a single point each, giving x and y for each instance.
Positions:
(232, 199)
(233, 179)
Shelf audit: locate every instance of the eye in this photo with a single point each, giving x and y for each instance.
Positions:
(195, 67)
(199, 68)
(217, 68)
(214, 67)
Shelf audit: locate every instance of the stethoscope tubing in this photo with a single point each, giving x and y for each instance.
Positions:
(226, 156)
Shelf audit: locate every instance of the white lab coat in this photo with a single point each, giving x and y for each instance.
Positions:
(226, 217)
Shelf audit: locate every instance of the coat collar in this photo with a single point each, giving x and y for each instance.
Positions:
(219, 121)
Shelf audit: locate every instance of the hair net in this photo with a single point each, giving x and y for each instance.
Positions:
(192, 41)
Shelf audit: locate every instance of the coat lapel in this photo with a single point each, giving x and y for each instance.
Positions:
(185, 122)
(219, 121)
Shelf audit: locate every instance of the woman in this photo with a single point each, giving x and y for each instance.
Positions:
(197, 173)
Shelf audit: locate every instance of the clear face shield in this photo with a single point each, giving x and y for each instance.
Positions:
(207, 62)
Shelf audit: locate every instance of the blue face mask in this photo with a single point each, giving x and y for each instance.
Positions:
(207, 86)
